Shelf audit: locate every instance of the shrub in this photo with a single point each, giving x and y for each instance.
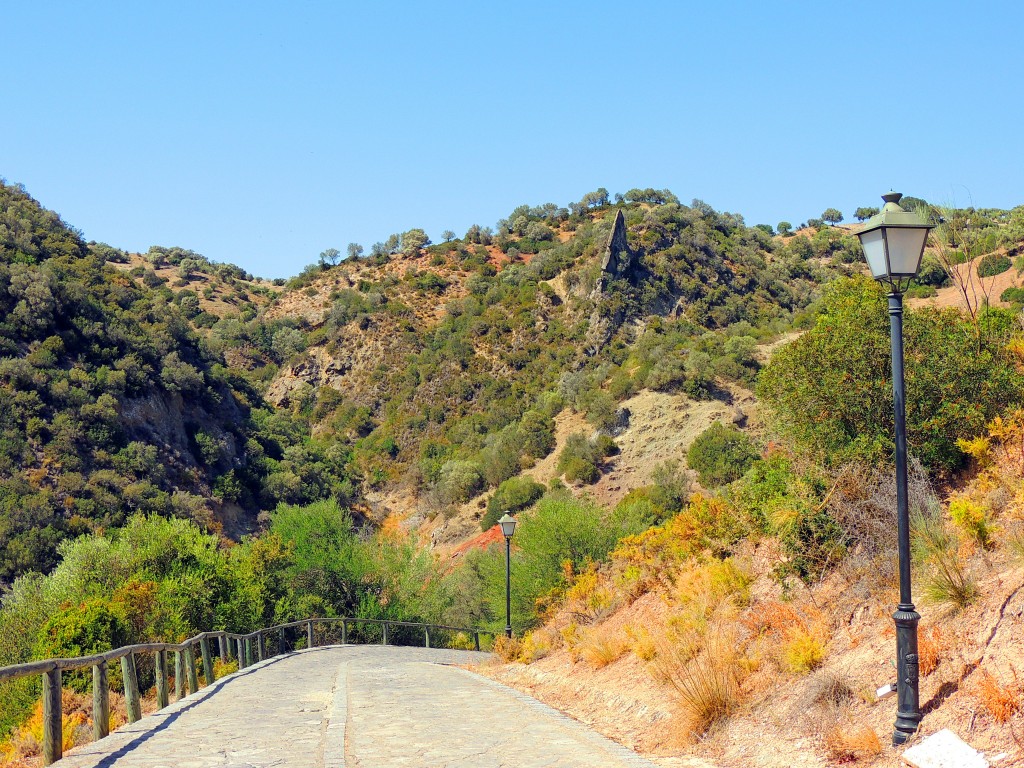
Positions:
(512, 495)
(850, 742)
(460, 481)
(580, 457)
(830, 390)
(720, 455)
(1013, 296)
(946, 582)
(507, 648)
(802, 649)
(972, 519)
(993, 264)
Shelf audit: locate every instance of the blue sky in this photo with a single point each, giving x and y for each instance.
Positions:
(263, 133)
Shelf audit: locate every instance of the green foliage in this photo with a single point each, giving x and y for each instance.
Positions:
(780, 500)
(512, 495)
(558, 537)
(973, 519)
(830, 392)
(581, 457)
(720, 455)
(993, 264)
(832, 216)
(947, 583)
(1013, 295)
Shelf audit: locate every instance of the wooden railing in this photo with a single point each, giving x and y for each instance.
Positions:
(247, 648)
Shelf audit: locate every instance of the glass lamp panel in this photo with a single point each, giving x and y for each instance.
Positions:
(508, 525)
(874, 250)
(906, 244)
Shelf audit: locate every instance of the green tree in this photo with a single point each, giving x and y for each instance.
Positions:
(355, 250)
(329, 257)
(720, 454)
(448, 235)
(864, 213)
(784, 228)
(413, 240)
(512, 495)
(832, 216)
(830, 390)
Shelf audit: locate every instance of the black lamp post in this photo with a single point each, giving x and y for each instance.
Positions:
(893, 242)
(508, 527)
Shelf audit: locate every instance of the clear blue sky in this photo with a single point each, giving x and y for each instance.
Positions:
(262, 133)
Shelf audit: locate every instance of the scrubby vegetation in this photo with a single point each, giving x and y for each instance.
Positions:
(185, 447)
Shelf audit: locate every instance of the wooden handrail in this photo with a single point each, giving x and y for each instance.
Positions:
(248, 649)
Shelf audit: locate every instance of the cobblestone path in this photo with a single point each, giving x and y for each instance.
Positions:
(356, 707)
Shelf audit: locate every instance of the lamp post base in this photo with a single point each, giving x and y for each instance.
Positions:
(908, 712)
(508, 632)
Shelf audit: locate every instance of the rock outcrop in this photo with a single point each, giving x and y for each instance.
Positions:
(616, 263)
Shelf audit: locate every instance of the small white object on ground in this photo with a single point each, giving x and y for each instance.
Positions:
(944, 750)
(886, 691)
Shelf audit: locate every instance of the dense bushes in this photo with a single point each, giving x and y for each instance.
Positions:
(993, 264)
(581, 457)
(720, 455)
(556, 539)
(830, 390)
(159, 579)
(512, 495)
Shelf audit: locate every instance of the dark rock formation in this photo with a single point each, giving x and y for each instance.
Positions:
(618, 259)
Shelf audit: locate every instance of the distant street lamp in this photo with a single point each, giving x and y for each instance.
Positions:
(893, 242)
(508, 528)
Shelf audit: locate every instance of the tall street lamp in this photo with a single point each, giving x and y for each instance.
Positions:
(893, 242)
(508, 527)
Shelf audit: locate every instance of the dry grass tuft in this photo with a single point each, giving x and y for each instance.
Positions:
(641, 643)
(1015, 543)
(831, 689)
(1001, 699)
(507, 648)
(851, 741)
(707, 684)
(538, 644)
(799, 639)
(600, 647)
(929, 649)
(947, 582)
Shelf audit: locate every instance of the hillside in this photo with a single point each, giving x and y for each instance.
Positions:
(690, 417)
(112, 403)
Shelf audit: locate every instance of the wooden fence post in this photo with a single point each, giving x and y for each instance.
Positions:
(261, 645)
(131, 687)
(162, 699)
(100, 701)
(426, 637)
(190, 669)
(280, 643)
(309, 634)
(53, 722)
(385, 640)
(344, 632)
(222, 648)
(204, 647)
(179, 675)
(476, 640)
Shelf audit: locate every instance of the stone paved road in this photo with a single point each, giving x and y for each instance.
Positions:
(356, 707)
